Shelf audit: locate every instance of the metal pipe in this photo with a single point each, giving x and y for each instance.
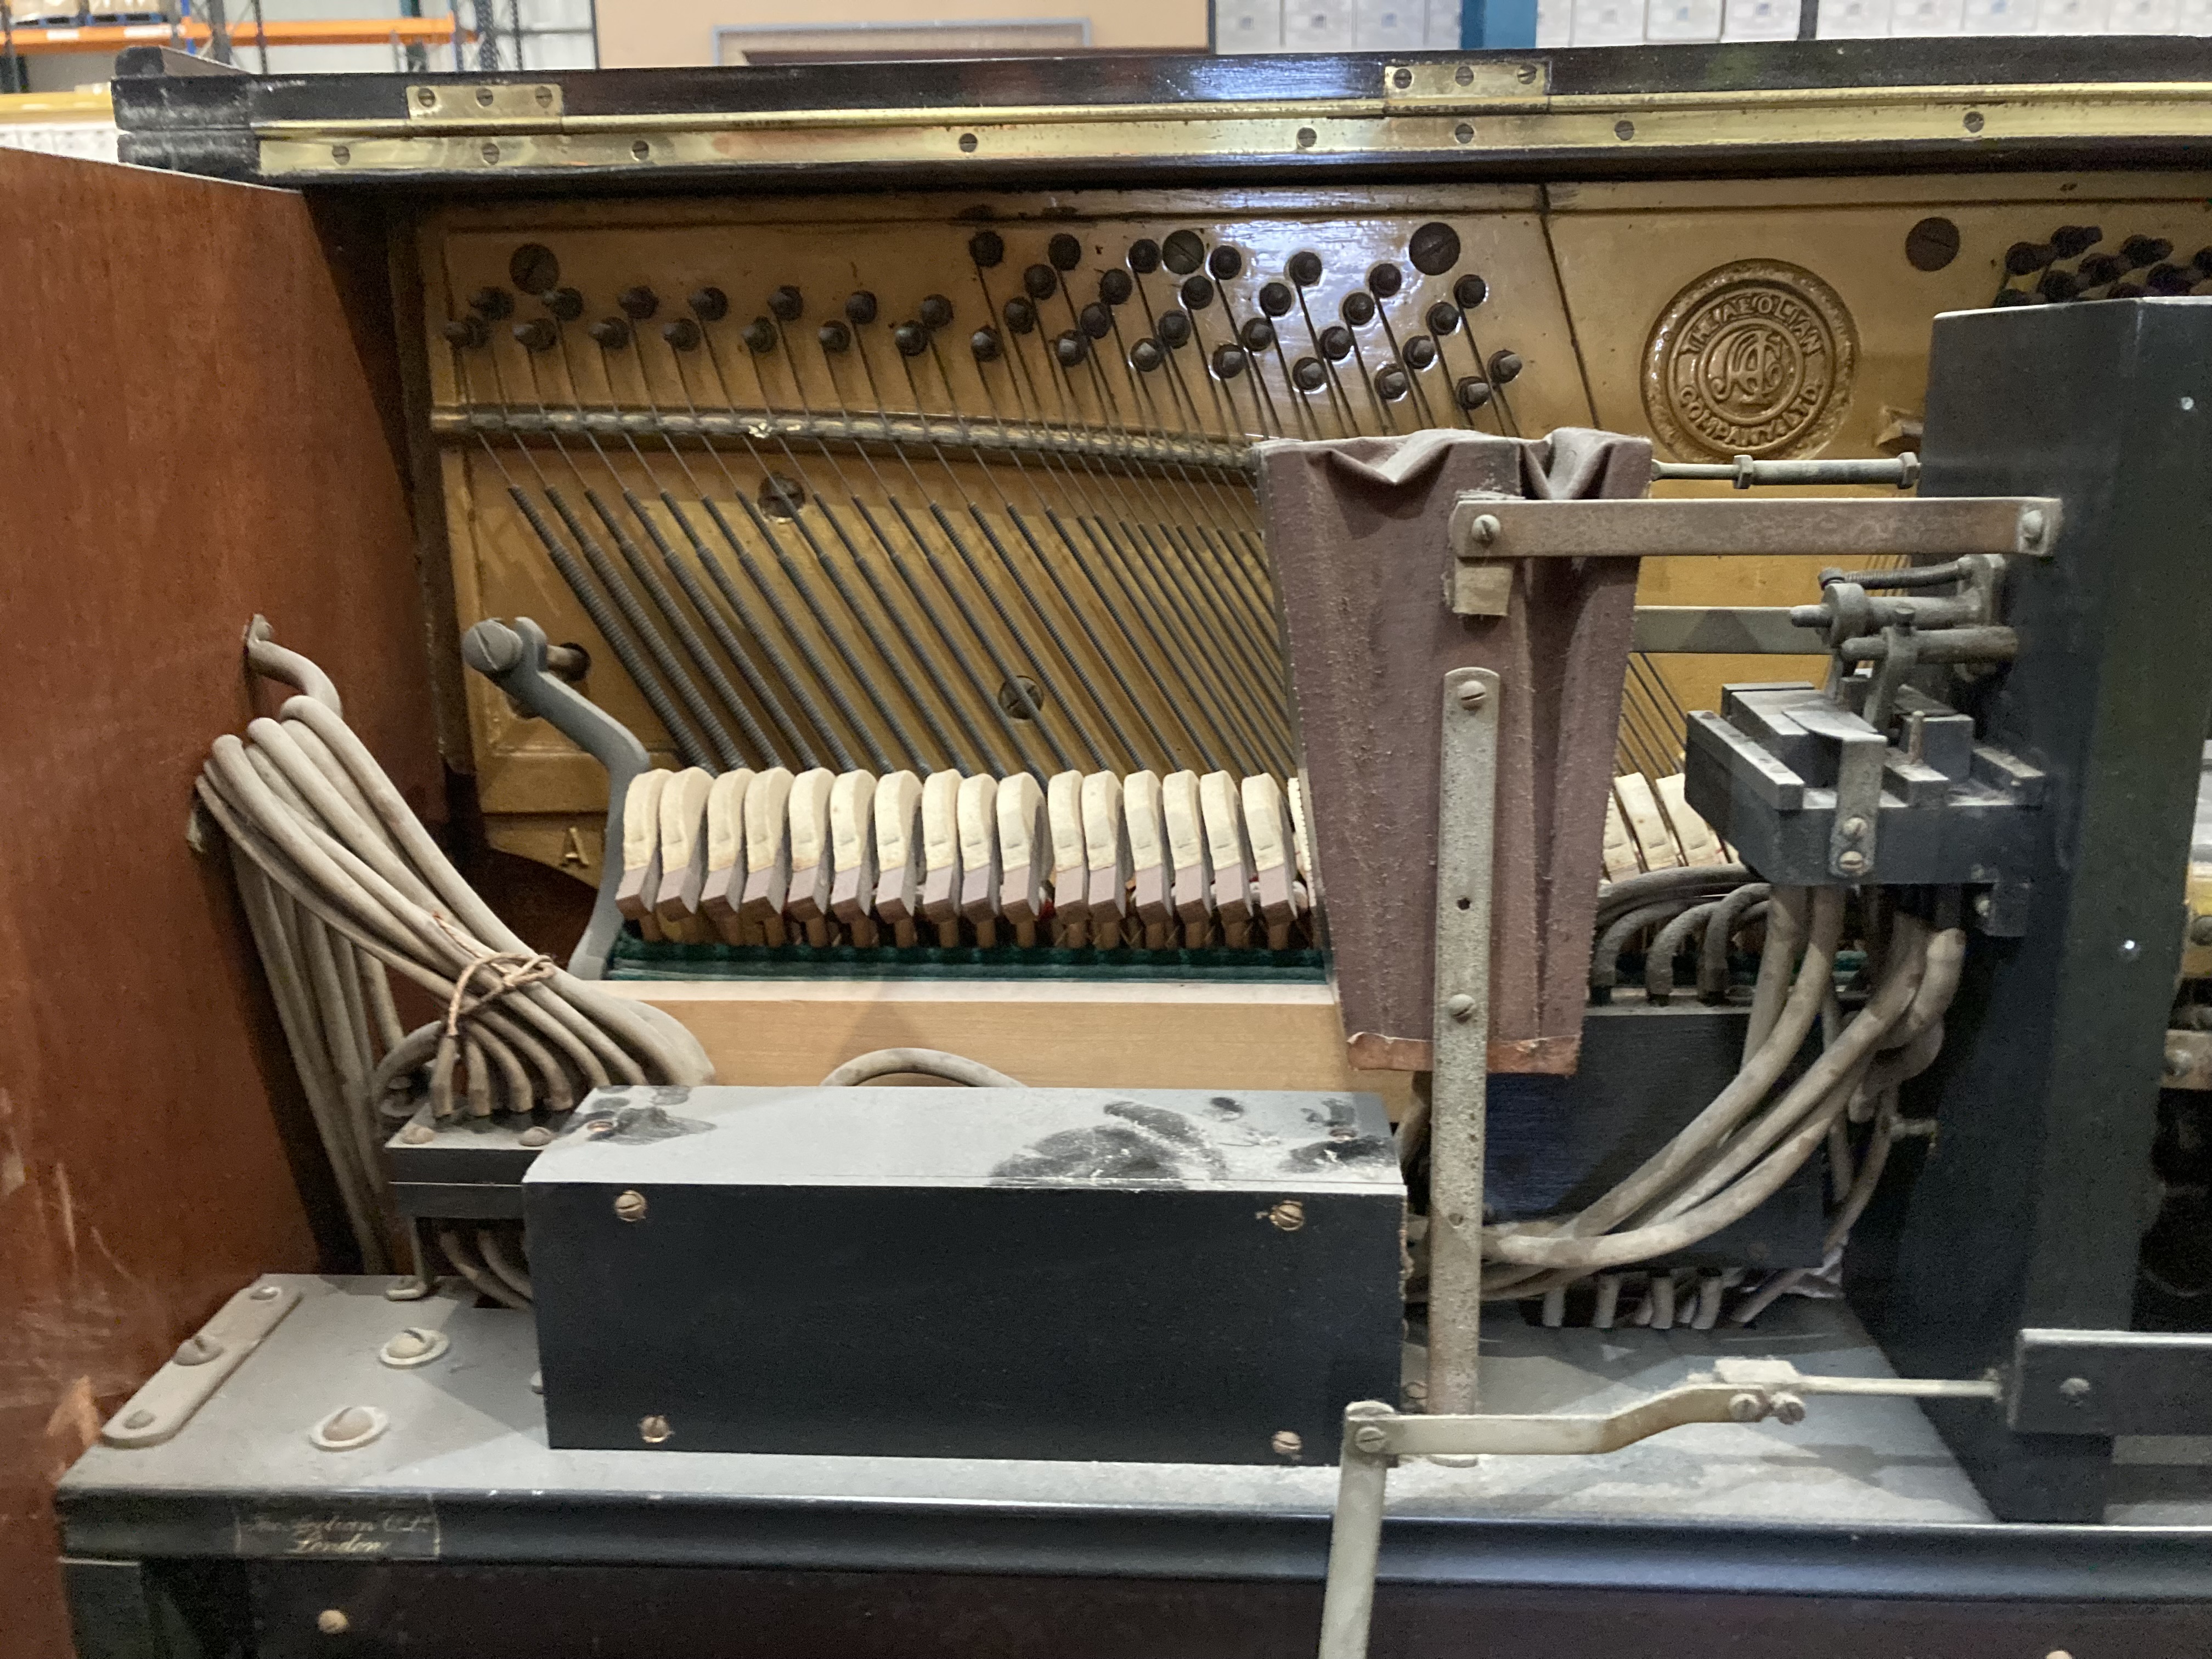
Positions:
(1903, 473)
(1355, 1537)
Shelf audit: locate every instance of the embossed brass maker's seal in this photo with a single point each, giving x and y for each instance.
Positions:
(1755, 358)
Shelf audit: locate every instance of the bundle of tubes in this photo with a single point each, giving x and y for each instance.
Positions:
(1098, 860)
(1759, 1131)
(343, 888)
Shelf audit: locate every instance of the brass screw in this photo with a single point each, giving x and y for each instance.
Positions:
(630, 1205)
(485, 96)
(545, 98)
(1287, 1444)
(1474, 695)
(427, 96)
(332, 1622)
(341, 154)
(1290, 1215)
(654, 1430)
(490, 152)
(1402, 78)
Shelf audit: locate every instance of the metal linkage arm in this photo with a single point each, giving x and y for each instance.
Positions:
(514, 658)
(1853, 528)
(1376, 1436)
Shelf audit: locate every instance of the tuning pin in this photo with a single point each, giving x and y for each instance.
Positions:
(492, 303)
(1071, 347)
(986, 248)
(1434, 248)
(466, 333)
(1304, 268)
(2099, 268)
(2125, 291)
(984, 345)
(710, 304)
(2072, 241)
(681, 333)
(2171, 280)
(565, 304)
(912, 339)
(936, 311)
(2014, 297)
(785, 304)
(1175, 329)
(1183, 252)
(1144, 256)
(759, 337)
(1021, 316)
(1041, 282)
(1419, 351)
(1147, 355)
(1308, 374)
(860, 307)
(1504, 367)
(1226, 264)
(2201, 261)
(1470, 291)
(1276, 299)
(612, 333)
(1258, 334)
(1228, 362)
(1065, 252)
(1384, 280)
(2059, 285)
(638, 303)
(537, 335)
(1336, 342)
(2026, 258)
(1392, 382)
(1197, 293)
(834, 337)
(1472, 392)
(1443, 318)
(1116, 285)
(1096, 320)
(1358, 308)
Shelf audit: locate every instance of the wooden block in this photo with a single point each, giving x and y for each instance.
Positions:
(1692, 833)
(1619, 856)
(722, 896)
(1647, 824)
(1152, 881)
(1055, 1033)
(1221, 811)
(898, 856)
(1106, 857)
(1274, 873)
(1192, 888)
(1024, 854)
(853, 856)
(684, 854)
(975, 816)
(640, 876)
(1071, 873)
(806, 899)
(768, 852)
(940, 855)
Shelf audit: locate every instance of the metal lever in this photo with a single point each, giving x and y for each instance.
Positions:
(516, 659)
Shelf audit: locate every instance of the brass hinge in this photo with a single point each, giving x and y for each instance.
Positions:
(1438, 87)
(483, 106)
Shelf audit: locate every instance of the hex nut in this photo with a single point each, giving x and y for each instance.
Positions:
(629, 1204)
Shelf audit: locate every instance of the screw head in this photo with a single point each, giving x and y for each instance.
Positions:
(427, 96)
(2176, 1061)
(1289, 1215)
(1371, 1439)
(1285, 1442)
(1789, 1409)
(1402, 78)
(654, 1430)
(1746, 1407)
(544, 95)
(1851, 863)
(1461, 1007)
(2074, 1390)
(539, 1136)
(406, 1289)
(629, 1204)
(2200, 931)
(266, 1292)
(1486, 528)
(1855, 826)
(138, 1419)
(332, 1622)
(1473, 694)
(2031, 526)
(341, 153)
(415, 1134)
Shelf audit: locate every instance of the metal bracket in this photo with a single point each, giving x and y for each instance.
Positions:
(1861, 754)
(515, 660)
(2111, 1382)
(483, 106)
(1467, 811)
(1850, 529)
(202, 1360)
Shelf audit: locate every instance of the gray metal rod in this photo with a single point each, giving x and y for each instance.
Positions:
(1355, 1539)
(1902, 473)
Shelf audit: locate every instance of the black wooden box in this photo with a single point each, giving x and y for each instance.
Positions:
(1071, 1273)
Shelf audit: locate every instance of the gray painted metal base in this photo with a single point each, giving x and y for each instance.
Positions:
(1862, 1500)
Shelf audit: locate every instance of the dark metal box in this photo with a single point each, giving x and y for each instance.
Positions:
(1072, 1274)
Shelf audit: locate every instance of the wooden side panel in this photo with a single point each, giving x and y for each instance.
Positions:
(200, 426)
